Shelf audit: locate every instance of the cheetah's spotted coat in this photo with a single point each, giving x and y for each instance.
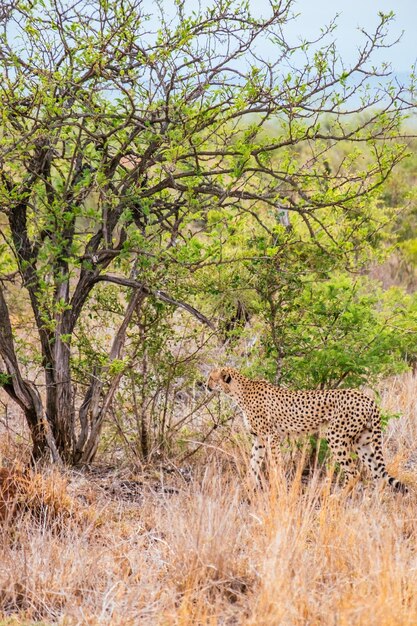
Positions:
(352, 420)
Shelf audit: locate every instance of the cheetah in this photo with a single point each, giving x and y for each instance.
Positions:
(350, 418)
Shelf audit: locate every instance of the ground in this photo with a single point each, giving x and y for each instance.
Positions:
(147, 546)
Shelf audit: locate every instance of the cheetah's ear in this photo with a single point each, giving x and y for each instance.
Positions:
(226, 376)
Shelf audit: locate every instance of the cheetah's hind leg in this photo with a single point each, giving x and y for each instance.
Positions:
(369, 448)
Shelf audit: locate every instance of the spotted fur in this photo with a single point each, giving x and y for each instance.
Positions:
(351, 419)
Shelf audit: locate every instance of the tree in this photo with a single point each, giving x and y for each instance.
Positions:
(122, 133)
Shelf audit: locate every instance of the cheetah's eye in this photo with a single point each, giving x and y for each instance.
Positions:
(227, 378)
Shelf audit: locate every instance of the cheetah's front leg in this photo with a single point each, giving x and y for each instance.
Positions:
(257, 458)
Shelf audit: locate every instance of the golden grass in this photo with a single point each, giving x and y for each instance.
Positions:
(214, 553)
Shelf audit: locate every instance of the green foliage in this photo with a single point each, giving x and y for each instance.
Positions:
(386, 417)
(340, 331)
(319, 449)
(409, 249)
(5, 379)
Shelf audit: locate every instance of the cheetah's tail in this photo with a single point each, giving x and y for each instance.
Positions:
(380, 469)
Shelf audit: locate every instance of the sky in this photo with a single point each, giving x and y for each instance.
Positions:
(359, 13)
(353, 14)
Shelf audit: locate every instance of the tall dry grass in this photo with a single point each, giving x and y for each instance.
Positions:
(212, 552)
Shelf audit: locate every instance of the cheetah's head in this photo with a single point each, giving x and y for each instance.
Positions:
(220, 379)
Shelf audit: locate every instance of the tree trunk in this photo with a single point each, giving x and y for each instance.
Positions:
(60, 400)
(29, 401)
(96, 403)
(22, 392)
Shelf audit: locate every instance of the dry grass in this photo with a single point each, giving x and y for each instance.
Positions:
(78, 552)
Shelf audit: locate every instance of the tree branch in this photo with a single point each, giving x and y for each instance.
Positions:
(157, 293)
